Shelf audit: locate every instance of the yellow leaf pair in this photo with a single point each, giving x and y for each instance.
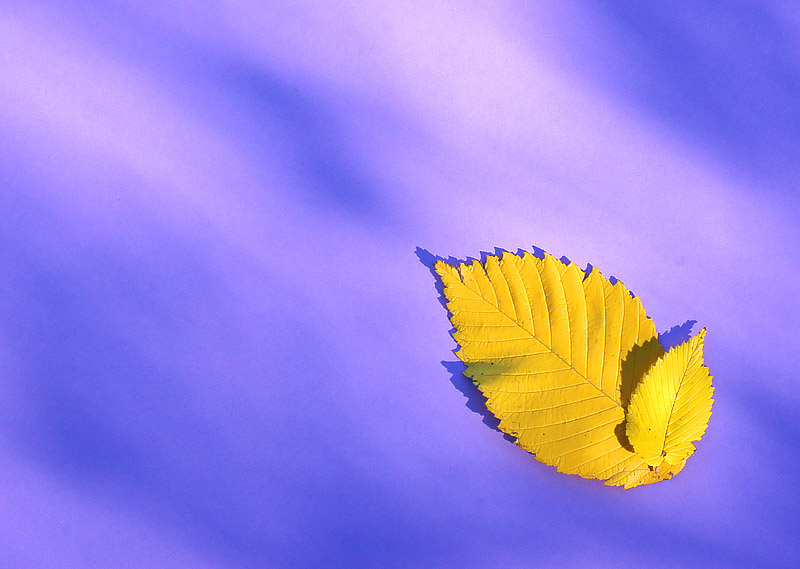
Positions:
(571, 365)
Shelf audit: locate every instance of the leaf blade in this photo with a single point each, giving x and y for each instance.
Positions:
(671, 406)
(553, 381)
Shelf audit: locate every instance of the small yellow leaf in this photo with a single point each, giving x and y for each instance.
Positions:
(671, 406)
(557, 352)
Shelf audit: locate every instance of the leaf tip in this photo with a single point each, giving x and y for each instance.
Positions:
(445, 269)
(440, 264)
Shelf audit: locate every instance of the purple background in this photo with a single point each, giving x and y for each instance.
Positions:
(219, 346)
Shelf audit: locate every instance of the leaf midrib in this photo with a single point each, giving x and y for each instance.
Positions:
(675, 398)
(549, 348)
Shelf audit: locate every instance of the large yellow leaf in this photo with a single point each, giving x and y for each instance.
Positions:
(670, 407)
(557, 353)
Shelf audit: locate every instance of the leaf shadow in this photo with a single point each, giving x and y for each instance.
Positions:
(676, 335)
(429, 260)
(633, 367)
(475, 400)
(638, 360)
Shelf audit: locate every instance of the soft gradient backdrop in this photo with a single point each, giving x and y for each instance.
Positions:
(221, 345)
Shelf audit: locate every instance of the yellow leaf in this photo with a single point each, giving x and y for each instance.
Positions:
(671, 406)
(557, 353)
